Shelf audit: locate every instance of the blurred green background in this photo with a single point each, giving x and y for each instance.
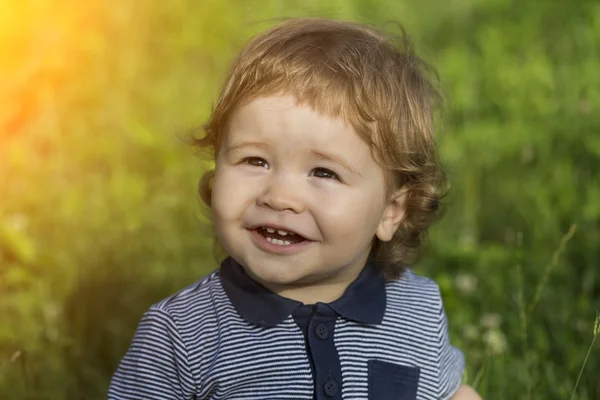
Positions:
(99, 216)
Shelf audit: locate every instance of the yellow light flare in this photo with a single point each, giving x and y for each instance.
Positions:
(39, 43)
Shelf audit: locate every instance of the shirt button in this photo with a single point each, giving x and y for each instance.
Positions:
(322, 331)
(331, 388)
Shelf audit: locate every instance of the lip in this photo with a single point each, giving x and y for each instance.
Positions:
(261, 242)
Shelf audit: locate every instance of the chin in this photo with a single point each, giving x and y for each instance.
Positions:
(273, 272)
(276, 276)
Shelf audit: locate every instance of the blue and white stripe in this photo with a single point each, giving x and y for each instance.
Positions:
(194, 345)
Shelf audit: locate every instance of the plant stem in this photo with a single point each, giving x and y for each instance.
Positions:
(596, 333)
(583, 366)
(555, 258)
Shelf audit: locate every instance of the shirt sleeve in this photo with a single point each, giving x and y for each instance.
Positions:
(156, 365)
(451, 361)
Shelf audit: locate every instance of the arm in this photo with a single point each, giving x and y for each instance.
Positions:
(451, 365)
(466, 393)
(156, 364)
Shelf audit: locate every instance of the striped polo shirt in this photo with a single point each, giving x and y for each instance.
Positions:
(228, 337)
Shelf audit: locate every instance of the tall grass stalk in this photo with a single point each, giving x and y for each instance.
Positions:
(525, 311)
(524, 326)
(549, 268)
(585, 360)
(477, 381)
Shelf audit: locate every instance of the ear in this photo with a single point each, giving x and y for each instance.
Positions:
(393, 215)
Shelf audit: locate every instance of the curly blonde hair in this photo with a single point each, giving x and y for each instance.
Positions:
(371, 79)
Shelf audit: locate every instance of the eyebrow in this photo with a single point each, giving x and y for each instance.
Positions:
(333, 158)
(260, 145)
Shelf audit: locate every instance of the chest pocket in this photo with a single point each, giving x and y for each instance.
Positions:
(388, 381)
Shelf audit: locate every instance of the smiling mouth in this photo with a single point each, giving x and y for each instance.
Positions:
(279, 236)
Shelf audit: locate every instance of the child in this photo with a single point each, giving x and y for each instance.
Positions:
(326, 181)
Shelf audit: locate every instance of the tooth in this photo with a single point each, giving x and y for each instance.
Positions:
(270, 230)
(280, 242)
(269, 240)
(286, 243)
(282, 233)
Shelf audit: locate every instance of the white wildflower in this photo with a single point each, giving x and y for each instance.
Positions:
(465, 283)
(495, 341)
(471, 332)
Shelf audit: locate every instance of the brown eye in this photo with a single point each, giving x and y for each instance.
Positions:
(324, 173)
(256, 162)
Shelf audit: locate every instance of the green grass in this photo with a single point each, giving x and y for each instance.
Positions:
(99, 216)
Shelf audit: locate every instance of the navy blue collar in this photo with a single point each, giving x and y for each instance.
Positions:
(363, 301)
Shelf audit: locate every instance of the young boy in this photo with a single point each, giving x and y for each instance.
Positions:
(326, 181)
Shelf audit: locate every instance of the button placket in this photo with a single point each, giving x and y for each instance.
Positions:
(327, 370)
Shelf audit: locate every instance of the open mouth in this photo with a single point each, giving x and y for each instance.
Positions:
(279, 236)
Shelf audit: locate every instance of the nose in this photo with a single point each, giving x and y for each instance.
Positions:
(280, 193)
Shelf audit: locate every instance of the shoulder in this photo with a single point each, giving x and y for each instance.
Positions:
(410, 278)
(193, 299)
(414, 288)
(416, 301)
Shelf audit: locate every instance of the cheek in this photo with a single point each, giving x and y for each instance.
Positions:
(351, 215)
(226, 197)
(232, 193)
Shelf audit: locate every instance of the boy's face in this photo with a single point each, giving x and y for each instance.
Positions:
(298, 199)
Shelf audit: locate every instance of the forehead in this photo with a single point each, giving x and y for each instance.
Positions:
(282, 119)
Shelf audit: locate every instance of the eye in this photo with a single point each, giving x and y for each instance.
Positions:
(325, 173)
(256, 162)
